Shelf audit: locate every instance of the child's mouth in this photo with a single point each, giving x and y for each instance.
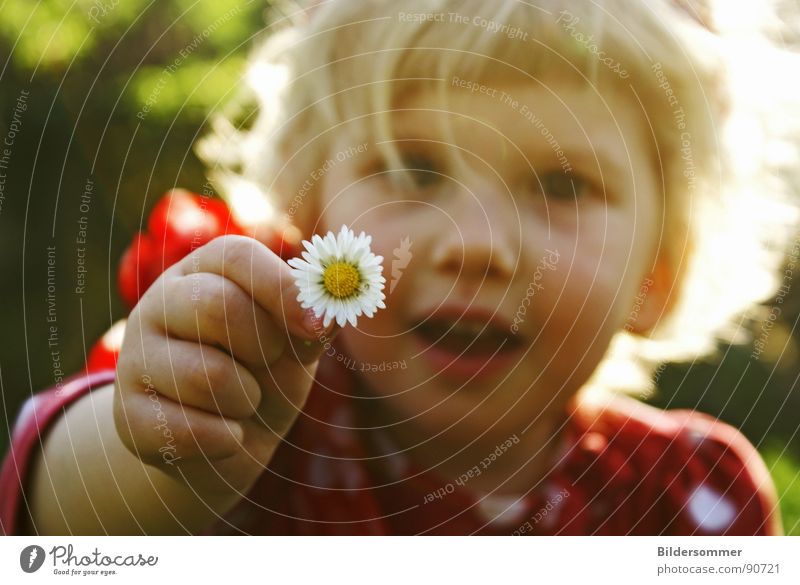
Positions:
(466, 347)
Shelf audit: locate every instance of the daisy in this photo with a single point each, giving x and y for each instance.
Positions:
(339, 277)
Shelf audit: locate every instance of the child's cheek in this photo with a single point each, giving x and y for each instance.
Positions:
(376, 340)
(575, 334)
(575, 301)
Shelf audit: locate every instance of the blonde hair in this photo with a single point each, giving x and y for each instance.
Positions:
(727, 213)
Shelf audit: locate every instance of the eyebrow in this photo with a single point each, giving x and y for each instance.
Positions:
(601, 158)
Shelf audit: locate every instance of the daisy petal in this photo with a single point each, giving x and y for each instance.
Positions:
(353, 293)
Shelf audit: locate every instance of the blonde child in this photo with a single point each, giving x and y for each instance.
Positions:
(555, 191)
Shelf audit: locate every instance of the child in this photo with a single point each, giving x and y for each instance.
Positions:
(559, 214)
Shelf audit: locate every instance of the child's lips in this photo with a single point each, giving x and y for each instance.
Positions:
(466, 342)
(464, 363)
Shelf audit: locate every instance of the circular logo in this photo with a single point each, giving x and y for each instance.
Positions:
(31, 558)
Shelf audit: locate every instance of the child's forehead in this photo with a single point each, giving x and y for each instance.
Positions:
(513, 96)
(529, 124)
(529, 110)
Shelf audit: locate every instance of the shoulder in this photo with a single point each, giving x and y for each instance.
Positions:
(702, 468)
(36, 417)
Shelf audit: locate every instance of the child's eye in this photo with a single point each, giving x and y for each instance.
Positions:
(419, 167)
(422, 169)
(561, 186)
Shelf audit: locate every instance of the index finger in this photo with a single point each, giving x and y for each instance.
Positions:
(260, 273)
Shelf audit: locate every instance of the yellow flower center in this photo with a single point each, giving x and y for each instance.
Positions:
(341, 279)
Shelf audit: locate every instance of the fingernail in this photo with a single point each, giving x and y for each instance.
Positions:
(312, 324)
(237, 430)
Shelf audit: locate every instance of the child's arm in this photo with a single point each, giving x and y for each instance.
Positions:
(85, 481)
(211, 376)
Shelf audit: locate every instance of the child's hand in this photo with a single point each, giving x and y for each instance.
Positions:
(215, 365)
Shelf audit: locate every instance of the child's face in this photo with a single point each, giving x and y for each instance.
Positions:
(557, 276)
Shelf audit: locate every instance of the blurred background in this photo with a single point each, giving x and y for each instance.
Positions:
(102, 101)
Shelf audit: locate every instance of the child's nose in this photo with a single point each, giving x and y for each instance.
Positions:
(476, 243)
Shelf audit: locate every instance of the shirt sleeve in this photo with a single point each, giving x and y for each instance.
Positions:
(725, 487)
(674, 473)
(33, 421)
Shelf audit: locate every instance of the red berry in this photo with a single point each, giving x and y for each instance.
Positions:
(104, 354)
(180, 222)
(137, 268)
(187, 220)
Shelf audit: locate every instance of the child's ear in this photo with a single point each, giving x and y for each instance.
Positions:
(653, 300)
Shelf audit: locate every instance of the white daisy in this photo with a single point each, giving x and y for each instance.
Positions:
(340, 277)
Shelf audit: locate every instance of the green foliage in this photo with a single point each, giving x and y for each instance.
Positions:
(194, 49)
(197, 87)
(53, 33)
(785, 471)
